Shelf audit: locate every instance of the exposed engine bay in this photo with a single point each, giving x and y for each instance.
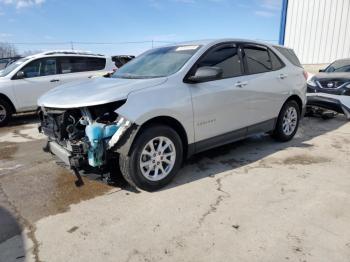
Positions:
(86, 137)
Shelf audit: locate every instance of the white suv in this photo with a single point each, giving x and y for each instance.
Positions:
(172, 102)
(24, 81)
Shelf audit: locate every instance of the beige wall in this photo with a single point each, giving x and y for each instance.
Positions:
(314, 68)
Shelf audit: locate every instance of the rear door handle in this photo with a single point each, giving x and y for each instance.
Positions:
(240, 84)
(54, 80)
(283, 76)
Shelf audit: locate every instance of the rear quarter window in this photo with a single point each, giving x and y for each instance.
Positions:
(290, 55)
(81, 64)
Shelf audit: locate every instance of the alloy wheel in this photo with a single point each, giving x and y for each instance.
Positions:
(290, 120)
(3, 113)
(157, 158)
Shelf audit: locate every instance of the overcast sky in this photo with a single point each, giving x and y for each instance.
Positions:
(93, 22)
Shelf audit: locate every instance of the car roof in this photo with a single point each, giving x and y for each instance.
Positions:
(210, 42)
(65, 53)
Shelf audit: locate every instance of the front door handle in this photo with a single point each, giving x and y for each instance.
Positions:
(54, 80)
(240, 84)
(283, 76)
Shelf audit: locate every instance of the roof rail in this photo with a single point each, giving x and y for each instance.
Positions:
(70, 52)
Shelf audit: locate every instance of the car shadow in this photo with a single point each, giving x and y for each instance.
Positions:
(23, 119)
(253, 149)
(12, 246)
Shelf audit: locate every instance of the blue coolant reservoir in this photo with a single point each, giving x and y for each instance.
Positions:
(96, 134)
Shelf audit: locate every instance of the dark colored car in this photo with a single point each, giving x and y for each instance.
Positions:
(5, 62)
(330, 88)
(121, 60)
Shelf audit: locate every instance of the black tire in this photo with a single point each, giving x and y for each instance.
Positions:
(279, 133)
(130, 165)
(5, 107)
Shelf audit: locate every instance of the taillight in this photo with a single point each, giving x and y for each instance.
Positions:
(305, 75)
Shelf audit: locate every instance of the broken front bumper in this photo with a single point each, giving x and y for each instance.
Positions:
(337, 103)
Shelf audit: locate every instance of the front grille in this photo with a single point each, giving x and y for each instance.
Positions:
(331, 84)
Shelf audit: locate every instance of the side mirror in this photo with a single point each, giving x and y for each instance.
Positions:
(20, 75)
(206, 73)
(321, 70)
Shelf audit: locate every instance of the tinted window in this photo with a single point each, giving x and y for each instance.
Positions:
(94, 63)
(257, 59)
(275, 61)
(289, 54)
(81, 64)
(225, 57)
(40, 67)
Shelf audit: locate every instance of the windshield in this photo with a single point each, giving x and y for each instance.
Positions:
(339, 66)
(158, 62)
(12, 67)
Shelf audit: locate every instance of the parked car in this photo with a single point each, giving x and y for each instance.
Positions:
(5, 62)
(121, 60)
(174, 101)
(24, 81)
(330, 89)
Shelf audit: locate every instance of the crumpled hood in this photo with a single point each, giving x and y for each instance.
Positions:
(330, 76)
(94, 92)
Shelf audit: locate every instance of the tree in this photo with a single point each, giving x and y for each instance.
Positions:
(7, 50)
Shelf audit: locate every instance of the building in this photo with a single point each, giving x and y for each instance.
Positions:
(317, 30)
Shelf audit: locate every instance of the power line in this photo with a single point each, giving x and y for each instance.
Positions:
(71, 43)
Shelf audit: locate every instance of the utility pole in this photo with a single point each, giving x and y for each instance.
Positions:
(71, 45)
(152, 43)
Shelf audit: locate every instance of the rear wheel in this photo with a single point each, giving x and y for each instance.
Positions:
(287, 122)
(5, 112)
(154, 160)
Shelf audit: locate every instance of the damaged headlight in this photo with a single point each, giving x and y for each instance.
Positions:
(312, 82)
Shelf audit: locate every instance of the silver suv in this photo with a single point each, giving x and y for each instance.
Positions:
(172, 102)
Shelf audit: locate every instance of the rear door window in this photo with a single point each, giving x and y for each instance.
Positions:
(257, 59)
(225, 57)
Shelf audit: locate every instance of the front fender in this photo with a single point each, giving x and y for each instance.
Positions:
(170, 101)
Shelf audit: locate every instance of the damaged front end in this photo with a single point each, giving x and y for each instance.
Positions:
(329, 94)
(85, 138)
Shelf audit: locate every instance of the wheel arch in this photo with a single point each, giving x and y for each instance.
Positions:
(297, 99)
(7, 99)
(136, 130)
(171, 122)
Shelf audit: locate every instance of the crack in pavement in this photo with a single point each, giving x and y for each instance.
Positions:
(214, 206)
(23, 221)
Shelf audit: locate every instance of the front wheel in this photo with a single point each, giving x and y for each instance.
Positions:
(154, 160)
(5, 112)
(287, 122)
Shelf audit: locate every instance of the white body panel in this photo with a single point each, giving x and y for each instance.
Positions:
(24, 93)
(205, 110)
